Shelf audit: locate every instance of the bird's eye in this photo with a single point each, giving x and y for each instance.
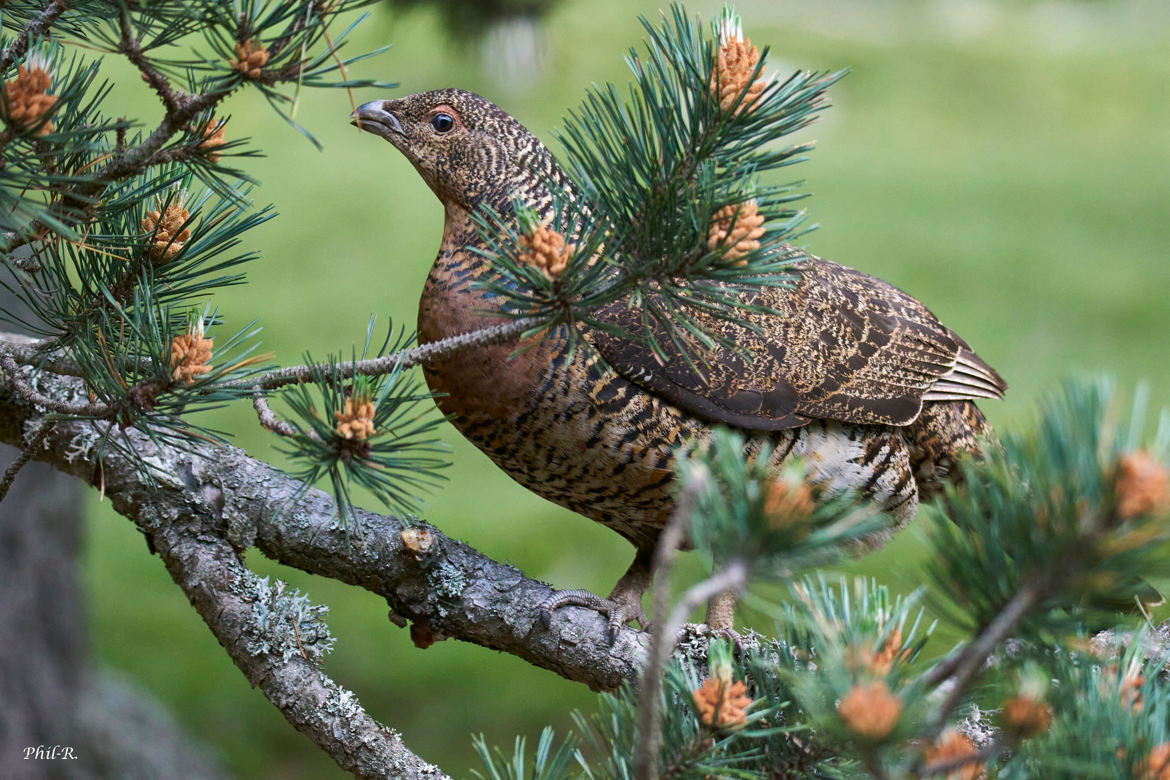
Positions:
(443, 123)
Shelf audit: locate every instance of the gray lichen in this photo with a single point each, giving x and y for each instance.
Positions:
(447, 580)
(286, 621)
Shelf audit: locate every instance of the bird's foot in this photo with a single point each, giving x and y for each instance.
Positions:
(720, 613)
(733, 637)
(618, 610)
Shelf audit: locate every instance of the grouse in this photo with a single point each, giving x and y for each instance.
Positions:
(841, 369)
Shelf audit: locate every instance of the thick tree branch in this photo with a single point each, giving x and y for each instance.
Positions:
(273, 636)
(449, 588)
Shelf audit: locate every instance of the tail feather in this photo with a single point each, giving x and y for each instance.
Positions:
(943, 433)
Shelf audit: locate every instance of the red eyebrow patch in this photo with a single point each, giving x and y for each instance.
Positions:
(443, 108)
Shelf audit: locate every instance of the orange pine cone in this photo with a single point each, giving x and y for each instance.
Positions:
(251, 57)
(27, 101)
(735, 64)
(721, 703)
(212, 132)
(870, 710)
(1143, 485)
(891, 651)
(170, 234)
(356, 421)
(1156, 766)
(787, 503)
(738, 227)
(952, 746)
(1026, 716)
(546, 250)
(190, 356)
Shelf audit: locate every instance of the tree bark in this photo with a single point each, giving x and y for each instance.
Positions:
(202, 505)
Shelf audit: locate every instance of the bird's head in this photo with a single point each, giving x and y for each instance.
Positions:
(467, 149)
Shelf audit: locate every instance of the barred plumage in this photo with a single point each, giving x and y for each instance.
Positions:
(851, 374)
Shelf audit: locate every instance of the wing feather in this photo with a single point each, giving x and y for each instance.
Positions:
(838, 344)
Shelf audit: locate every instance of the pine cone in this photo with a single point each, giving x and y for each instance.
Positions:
(1143, 485)
(737, 226)
(27, 101)
(357, 420)
(1156, 766)
(870, 710)
(546, 249)
(891, 651)
(1026, 716)
(1130, 692)
(722, 700)
(787, 503)
(170, 234)
(251, 57)
(212, 132)
(735, 64)
(952, 746)
(190, 356)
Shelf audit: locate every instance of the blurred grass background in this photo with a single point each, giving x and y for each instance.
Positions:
(1005, 162)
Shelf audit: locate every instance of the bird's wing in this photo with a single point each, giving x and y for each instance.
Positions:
(837, 344)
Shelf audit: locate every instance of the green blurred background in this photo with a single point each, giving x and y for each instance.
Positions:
(1005, 162)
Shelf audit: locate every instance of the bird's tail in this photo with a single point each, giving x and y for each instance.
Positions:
(944, 432)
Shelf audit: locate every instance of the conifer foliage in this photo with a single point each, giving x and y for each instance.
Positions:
(116, 234)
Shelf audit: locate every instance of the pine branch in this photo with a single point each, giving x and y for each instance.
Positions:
(36, 439)
(268, 418)
(732, 578)
(229, 495)
(132, 48)
(13, 374)
(38, 27)
(963, 668)
(415, 356)
(669, 542)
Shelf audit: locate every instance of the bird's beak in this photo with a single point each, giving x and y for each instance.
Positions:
(373, 117)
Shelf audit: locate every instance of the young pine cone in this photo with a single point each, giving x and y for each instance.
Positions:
(170, 235)
(27, 101)
(737, 226)
(251, 57)
(734, 67)
(546, 249)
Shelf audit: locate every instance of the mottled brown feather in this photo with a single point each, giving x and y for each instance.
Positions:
(837, 344)
(842, 370)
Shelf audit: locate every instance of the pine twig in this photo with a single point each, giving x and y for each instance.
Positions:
(963, 668)
(732, 577)
(408, 358)
(669, 542)
(268, 419)
(26, 454)
(132, 48)
(29, 393)
(37, 27)
(27, 264)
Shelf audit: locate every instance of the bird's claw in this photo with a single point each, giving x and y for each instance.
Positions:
(731, 635)
(616, 611)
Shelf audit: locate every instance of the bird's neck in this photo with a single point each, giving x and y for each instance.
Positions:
(450, 303)
(452, 306)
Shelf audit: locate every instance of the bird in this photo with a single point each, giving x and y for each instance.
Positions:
(843, 370)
